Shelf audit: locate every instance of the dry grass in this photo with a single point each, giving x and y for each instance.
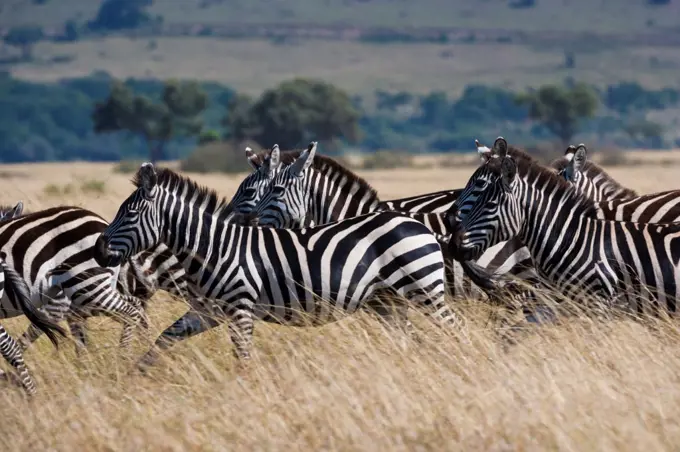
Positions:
(352, 385)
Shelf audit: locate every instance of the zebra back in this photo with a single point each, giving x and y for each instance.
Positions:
(588, 177)
(662, 207)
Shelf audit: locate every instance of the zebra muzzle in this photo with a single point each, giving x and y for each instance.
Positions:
(103, 255)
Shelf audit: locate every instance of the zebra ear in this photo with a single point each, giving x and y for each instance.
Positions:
(18, 209)
(304, 161)
(569, 153)
(274, 157)
(577, 160)
(483, 151)
(253, 159)
(508, 171)
(147, 178)
(500, 147)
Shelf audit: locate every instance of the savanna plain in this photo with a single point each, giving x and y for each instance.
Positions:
(581, 384)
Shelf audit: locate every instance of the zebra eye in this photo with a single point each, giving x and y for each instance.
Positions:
(278, 191)
(133, 213)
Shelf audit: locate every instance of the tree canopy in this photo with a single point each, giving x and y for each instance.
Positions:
(561, 109)
(176, 115)
(25, 38)
(121, 14)
(55, 121)
(294, 113)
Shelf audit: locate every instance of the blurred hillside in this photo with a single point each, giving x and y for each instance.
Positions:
(602, 16)
(425, 75)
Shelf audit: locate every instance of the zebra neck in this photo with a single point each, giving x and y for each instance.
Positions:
(193, 231)
(552, 221)
(335, 196)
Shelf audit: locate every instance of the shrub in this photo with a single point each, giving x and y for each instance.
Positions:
(127, 166)
(93, 186)
(58, 190)
(386, 159)
(224, 156)
(612, 157)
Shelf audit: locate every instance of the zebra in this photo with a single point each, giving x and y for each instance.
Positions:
(625, 264)
(315, 189)
(276, 275)
(69, 284)
(76, 287)
(589, 178)
(662, 207)
(39, 242)
(12, 283)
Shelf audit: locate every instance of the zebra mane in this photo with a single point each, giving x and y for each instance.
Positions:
(326, 166)
(531, 169)
(189, 188)
(592, 170)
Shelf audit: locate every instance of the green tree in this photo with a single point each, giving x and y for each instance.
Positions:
(239, 122)
(645, 133)
(560, 109)
(121, 14)
(25, 38)
(177, 115)
(297, 112)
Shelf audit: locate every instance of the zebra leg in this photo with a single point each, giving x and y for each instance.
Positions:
(125, 313)
(241, 331)
(31, 334)
(141, 307)
(432, 300)
(190, 324)
(55, 306)
(77, 325)
(538, 314)
(391, 310)
(128, 327)
(11, 351)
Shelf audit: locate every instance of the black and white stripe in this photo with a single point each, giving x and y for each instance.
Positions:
(314, 190)
(617, 205)
(17, 291)
(40, 242)
(273, 274)
(54, 251)
(631, 265)
(590, 179)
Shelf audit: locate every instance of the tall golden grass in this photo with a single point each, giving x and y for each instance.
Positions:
(581, 384)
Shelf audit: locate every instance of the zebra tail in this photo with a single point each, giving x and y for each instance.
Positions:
(17, 290)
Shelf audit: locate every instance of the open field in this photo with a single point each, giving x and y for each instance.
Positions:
(352, 385)
(576, 15)
(254, 65)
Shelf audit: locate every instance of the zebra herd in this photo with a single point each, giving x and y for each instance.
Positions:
(304, 241)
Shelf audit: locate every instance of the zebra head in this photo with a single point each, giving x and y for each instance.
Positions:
(284, 203)
(136, 226)
(588, 178)
(488, 210)
(253, 186)
(573, 172)
(7, 213)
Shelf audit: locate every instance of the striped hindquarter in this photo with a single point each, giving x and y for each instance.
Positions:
(14, 287)
(60, 240)
(295, 277)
